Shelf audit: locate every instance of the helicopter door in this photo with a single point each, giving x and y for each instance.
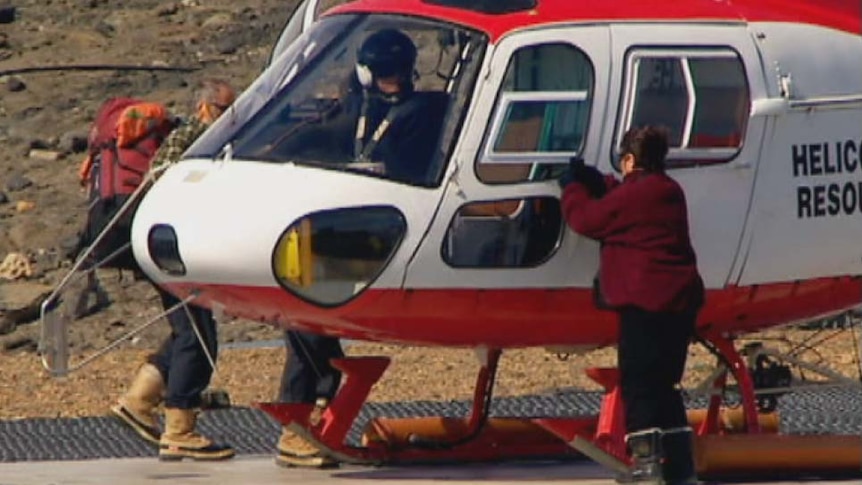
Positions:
(805, 216)
(698, 81)
(302, 17)
(499, 224)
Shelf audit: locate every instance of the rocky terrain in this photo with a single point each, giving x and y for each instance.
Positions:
(44, 118)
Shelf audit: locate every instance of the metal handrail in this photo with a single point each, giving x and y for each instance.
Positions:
(55, 329)
(64, 369)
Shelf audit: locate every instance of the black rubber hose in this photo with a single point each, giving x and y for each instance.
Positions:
(95, 67)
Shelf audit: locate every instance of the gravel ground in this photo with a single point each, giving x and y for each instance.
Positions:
(45, 205)
(252, 374)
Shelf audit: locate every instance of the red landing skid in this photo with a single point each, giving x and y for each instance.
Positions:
(601, 438)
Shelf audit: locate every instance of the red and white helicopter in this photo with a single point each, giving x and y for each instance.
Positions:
(267, 218)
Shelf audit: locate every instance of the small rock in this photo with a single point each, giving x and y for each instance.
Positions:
(15, 266)
(39, 144)
(23, 301)
(249, 14)
(215, 399)
(73, 142)
(227, 45)
(106, 29)
(24, 206)
(3, 198)
(47, 155)
(7, 15)
(167, 10)
(217, 21)
(7, 325)
(4, 41)
(25, 344)
(46, 261)
(18, 182)
(15, 84)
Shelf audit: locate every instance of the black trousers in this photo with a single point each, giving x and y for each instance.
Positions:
(651, 358)
(181, 360)
(307, 373)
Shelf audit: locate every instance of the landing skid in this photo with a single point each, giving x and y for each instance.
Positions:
(426, 440)
(722, 448)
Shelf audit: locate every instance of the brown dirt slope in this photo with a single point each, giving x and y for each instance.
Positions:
(45, 115)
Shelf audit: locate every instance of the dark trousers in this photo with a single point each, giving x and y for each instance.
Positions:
(181, 359)
(651, 359)
(307, 373)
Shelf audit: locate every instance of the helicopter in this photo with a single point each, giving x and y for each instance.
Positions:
(270, 218)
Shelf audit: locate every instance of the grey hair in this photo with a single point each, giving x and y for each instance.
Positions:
(209, 91)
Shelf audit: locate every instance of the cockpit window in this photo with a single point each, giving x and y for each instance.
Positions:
(305, 12)
(381, 95)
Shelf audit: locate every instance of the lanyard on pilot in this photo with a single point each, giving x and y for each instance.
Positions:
(363, 153)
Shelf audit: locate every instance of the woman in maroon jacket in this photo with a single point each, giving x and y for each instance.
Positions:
(649, 276)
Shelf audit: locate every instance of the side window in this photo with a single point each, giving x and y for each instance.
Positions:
(701, 97)
(510, 233)
(661, 96)
(541, 114)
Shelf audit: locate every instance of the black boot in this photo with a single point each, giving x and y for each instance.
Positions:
(646, 453)
(678, 446)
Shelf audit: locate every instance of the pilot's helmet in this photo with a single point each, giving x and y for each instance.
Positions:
(385, 53)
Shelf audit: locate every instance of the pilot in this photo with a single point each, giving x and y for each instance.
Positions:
(648, 275)
(391, 129)
(181, 369)
(394, 125)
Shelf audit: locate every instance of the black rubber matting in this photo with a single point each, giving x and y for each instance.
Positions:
(250, 431)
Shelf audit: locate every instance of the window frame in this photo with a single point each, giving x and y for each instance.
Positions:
(516, 216)
(543, 158)
(507, 99)
(683, 156)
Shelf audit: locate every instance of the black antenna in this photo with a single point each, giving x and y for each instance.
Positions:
(494, 7)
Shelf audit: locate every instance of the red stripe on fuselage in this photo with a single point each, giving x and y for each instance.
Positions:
(506, 318)
(836, 14)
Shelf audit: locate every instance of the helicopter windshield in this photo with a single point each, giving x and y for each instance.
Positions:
(310, 108)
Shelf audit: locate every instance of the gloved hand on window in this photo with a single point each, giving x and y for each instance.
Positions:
(576, 165)
(589, 176)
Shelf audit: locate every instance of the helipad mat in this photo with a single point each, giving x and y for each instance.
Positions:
(251, 432)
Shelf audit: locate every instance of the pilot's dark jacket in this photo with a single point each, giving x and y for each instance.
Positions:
(409, 143)
(647, 260)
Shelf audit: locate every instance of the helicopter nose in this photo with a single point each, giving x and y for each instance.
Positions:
(209, 226)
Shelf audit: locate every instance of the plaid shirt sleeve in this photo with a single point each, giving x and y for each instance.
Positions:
(177, 142)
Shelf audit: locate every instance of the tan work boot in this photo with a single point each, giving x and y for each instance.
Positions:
(137, 407)
(294, 450)
(180, 440)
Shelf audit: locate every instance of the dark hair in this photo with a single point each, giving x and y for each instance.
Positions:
(648, 144)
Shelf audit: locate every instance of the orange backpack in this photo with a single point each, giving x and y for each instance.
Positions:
(123, 140)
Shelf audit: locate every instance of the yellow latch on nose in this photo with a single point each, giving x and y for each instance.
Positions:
(293, 269)
(293, 258)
